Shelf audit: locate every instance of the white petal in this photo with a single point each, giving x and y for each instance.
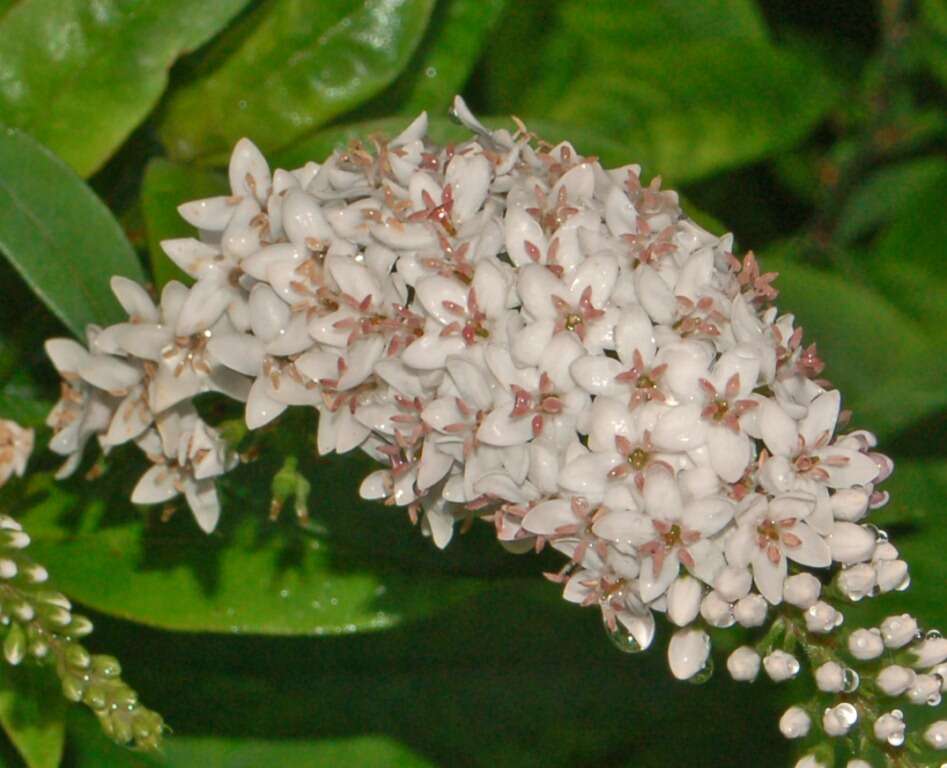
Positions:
(499, 429)
(778, 429)
(521, 228)
(206, 302)
(241, 352)
(109, 373)
(812, 551)
(134, 299)
(655, 296)
(536, 286)
(548, 517)
(680, 429)
(596, 375)
(652, 585)
(155, 486)
(205, 506)
(769, 576)
(261, 408)
(211, 213)
(821, 417)
(598, 273)
(708, 516)
(729, 452)
(191, 255)
(249, 171)
(434, 291)
(67, 355)
(469, 177)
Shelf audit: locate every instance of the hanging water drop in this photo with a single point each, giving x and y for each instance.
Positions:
(850, 680)
(621, 637)
(933, 634)
(705, 674)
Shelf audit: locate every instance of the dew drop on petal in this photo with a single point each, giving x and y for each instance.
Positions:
(850, 680)
(621, 637)
(705, 674)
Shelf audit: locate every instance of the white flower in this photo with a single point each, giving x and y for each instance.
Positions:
(16, 445)
(770, 531)
(795, 723)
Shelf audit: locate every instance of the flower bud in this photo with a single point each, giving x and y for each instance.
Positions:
(889, 728)
(801, 590)
(14, 645)
(8, 568)
(744, 664)
(733, 583)
(77, 656)
(930, 652)
(73, 688)
(898, 631)
(851, 543)
(716, 611)
(837, 720)
(780, 666)
(822, 618)
(830, 677)
(795, 723)
(849, 504)
(106, 666)
(936, 735)
(13, 539)
(865, 644)
(751, 610)
(809, 761)
(885, 551)
(857, 581)
(684, 600)
(891, 574)
(857, 764)
(894, 679)
(688, 652)
(925, 690)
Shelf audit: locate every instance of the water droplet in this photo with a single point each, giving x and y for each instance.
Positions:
(621, 638)
(934, 700)
(284, 593)
(933, 634)
(334, 601)
(430, 72)
(904, 584)
(850, 680)
(705, 674)
(242, 103)
(881, 536)
(847, 713)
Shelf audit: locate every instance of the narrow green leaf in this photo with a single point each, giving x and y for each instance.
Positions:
(164, 187)
(686, 111)
(444, 60)
(80, 76)
(906, 264)
(303, 63)
(250, 577)
(32, 714)
(58, 234)
(886, 194)
(886, 368)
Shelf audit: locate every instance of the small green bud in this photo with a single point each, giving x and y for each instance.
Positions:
(105, 666)
(77, 656)
(54, 616)
(73, 687)
(121, 722)
(80, 626)
(13, 539)
(96, 697)
(38, 649)
(50, 597)
(14, 646)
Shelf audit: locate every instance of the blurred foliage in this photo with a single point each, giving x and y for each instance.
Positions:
(813, 129)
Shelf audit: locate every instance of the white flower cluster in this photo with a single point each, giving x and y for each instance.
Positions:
(16, 445)
(515, 333)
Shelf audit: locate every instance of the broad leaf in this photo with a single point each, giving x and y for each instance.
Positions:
(542, 45)
(686, 111)
(444, 60)
(164, 187)
(879, 359)
(302, 63)
(58, 234)
(80, 76)
(250, 577)
(32, 711)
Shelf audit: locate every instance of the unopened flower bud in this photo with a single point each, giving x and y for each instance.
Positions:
(865, 644)
(936, 735)
(930, 652)
(809, 761)
(733, 583)
(851, 543)
(744, 664)
(751, 610)
(802, 590)
(925, 690)
(716, 611)
(891, 574)
(684, 600)
(795, 723)
(838, 720)
(106, 666)
(894, 679)
(898, 631)
(889, 728)
(8, 568)
(77, 656)
(780, 666)
(688, 652)
(830, 677)
(14, 645)
(13, 539)
(857, 581)
(849, 504)
(822, 618)
(885, 551)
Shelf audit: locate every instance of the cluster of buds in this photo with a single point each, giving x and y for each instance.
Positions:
(40, 627)
(516, 334)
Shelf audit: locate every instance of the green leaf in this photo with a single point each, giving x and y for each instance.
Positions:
(32, 711)
(879, 359)
(252, 576)
(888, 193)
(540, 46)
(302, 63)
(686, 111)
(443, 62)
(164, 187)
(80, 76)
(906, 264)
(58, 234)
